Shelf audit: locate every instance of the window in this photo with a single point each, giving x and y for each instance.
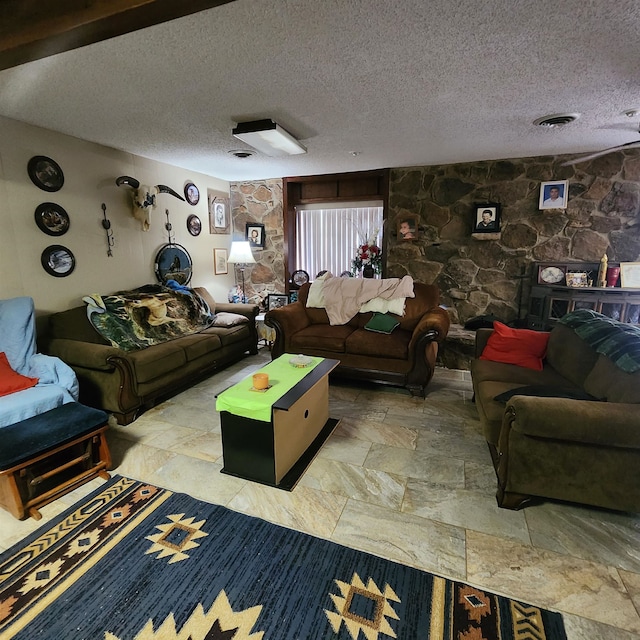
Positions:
(327, 236)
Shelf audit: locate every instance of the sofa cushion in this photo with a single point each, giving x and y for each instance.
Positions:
(522, 347)
(199, 345)
(224, 319)
(12, 381)
(154, 362)
(607, 382)
(330, 338)
(366, 343)
(482, 370)
(570, 355)
(229, 335)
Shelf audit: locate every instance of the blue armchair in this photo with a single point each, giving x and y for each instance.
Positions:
(57, 383)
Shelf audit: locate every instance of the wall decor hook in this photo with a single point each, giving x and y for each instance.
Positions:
(167, 225)
(106, 225)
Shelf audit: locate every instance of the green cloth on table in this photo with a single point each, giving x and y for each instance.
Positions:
(241, 401)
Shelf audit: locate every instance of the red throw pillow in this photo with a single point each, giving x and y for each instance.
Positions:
(522, 347)
(10, 380)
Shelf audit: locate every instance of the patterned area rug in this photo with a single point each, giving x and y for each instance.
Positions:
(136, 562)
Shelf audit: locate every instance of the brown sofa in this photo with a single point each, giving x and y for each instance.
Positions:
(551, 444)
(126, 383)
(405, 357)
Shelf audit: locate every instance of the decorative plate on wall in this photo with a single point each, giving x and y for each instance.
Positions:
(191, 193)
(194, 226)
(52, 219)
(45, 173)
(299, 277)
(58, 261)
(173, 262)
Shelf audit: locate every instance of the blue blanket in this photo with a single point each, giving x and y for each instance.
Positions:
(618, 341)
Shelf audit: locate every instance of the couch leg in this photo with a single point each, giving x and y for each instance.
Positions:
(416, 390)
(513, 501)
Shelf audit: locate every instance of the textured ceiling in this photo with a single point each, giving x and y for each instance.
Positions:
(362, 83)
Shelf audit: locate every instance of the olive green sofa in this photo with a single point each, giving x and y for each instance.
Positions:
(126, 383)
(564, 448)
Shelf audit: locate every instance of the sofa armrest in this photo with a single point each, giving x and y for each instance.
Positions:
(286, 321)
(436, 321)
(85, 354)
(609, 424)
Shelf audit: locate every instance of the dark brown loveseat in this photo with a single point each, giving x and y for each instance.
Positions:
(126, 383)
(564, 447)
(405, 357)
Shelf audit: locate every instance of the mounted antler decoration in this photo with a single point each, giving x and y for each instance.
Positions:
(144, 198)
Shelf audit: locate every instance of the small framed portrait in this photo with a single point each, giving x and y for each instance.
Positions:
(554, 194)
(45, 173)
(487, 218)
(255, 235)
(52, 219)
(194, 226)
(220, 264)
(577, 279)
(408, 228)
(277, 300)
(630, 275)
(219, 214)
(58, 261)
(191, 193)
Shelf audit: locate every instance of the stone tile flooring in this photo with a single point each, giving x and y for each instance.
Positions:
(404, 478)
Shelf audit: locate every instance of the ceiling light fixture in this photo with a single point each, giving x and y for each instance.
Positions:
(556, 120)
(268, 137)
(241, 153)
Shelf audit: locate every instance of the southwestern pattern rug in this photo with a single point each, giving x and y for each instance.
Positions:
(136, 562)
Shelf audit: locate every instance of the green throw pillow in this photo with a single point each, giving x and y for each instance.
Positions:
(381, 323)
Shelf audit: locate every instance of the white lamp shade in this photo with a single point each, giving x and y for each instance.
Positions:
(241, 253)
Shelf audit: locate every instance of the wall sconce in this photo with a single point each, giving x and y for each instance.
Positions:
(268, 137)
(241, 255)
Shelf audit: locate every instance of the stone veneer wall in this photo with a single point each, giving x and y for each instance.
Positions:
(477, 277)
(260, 201)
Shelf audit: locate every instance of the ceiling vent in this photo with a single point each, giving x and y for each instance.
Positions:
(241, 153)
(557, 120)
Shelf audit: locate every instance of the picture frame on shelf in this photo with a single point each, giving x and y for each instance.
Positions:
(552, 274)
(554, 194)
(487, 218)
(630, 275)
(220, 264)
(408, 227)
(577, 279)
(255, 234)
(277, 300)
(45, 173)
(219, 213)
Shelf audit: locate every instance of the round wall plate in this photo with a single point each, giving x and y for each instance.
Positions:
(191, 193)
(52, 219)
(173, 262)
(45, 173)
(58, 261)
(299, 277)
(194, 226)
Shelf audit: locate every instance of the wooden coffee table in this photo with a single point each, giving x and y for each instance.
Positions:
(278, 452)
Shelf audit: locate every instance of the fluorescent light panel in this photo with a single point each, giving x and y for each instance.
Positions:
(268, 137)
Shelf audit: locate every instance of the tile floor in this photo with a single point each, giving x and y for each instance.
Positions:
(404, 478)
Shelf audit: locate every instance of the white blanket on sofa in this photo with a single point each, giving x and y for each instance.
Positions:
(343, 297)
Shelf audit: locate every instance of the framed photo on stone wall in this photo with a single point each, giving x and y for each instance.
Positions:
(554, 194)
(487, 218)
(408, 227)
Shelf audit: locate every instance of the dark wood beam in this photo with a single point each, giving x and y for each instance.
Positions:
(34, 29)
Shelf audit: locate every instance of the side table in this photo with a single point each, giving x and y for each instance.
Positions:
(265, 333)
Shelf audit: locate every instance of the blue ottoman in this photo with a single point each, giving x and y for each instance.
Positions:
(50, 454)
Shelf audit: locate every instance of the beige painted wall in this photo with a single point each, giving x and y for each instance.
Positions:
(90, 171)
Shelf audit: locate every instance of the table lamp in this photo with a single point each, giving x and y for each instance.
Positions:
(241, 255)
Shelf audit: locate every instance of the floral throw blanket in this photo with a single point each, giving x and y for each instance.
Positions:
(148, 315)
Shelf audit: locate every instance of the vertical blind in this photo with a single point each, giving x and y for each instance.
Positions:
(327, 237)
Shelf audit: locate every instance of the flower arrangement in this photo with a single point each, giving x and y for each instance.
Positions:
(367, 253)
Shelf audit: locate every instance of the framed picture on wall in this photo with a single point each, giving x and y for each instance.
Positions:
(554, 194)
(220, 264)
(487, 218)
(219, 213)
(255, 235)
(408, 227)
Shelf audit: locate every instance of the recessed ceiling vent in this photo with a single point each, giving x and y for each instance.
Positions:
(241, 153)
(557, 120)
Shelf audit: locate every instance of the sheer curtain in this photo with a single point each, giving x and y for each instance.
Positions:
(327, 236)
